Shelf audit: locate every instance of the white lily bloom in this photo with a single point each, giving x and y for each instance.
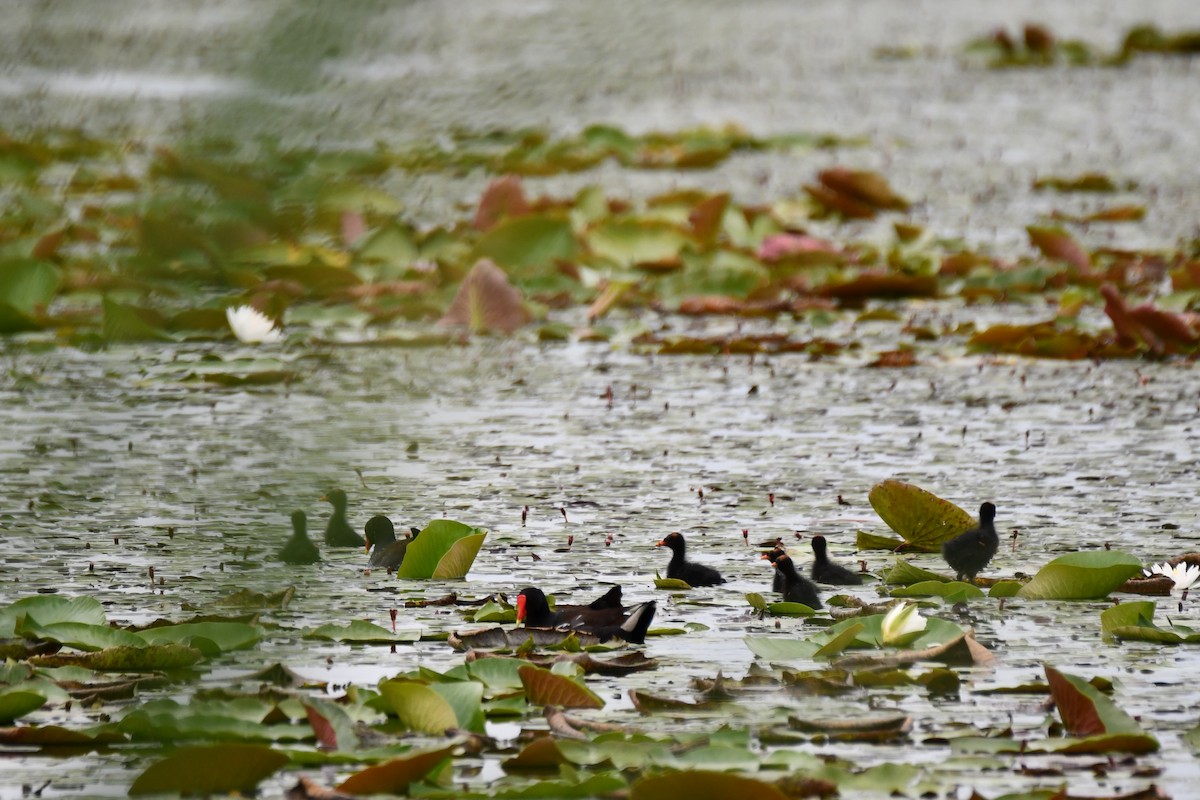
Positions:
(1183, 574)
(902, 620)
(251, 326)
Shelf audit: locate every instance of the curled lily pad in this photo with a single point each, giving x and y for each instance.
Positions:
(217, 769)
(127, 659)
(444, 549)
(950, 591)
(1081, 576)
(395, 776)
(1088, 713)
(47, 609)
(18, 703)
(922, 518)
(361, 632)
(1135, 622)
(545, 688)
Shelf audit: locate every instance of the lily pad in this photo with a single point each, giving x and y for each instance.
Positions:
(1085, 711)
(923, 519)
(444, 549)
(82, 636)
(702, 785)
(395, 776)
(545, 688)
(127, 659)
(419, 707)
(1081, 576)
(226, 636)
(44, 609)
(950, 591)
(1135, 622)
(360, 631)
(216, 769)
(18, 703)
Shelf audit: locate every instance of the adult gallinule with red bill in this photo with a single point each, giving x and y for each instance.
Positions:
(606, 621)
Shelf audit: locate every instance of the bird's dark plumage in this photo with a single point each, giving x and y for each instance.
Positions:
(777, 551)
(690, 573)
(970, 552)
(796, 588)
(825, 571)
(338, 532)
(299, 548)
(381, 543)
(599, 618)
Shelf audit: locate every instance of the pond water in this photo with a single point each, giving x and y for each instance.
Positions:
(106, 451)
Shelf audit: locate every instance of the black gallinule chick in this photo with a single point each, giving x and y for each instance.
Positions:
(825, 571)
(605, 622)
(777, 551)
(970, 552)
(686, 571)
(382, 545)
(338, 532)
(299, 549)
(796, 588)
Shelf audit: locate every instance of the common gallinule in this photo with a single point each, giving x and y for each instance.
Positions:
(382, 545)
(826, 571)
(690, 573)
(299, 548)
(338, 532)
(970, 552)
(776, 551)
(605, 622)
(796, 588)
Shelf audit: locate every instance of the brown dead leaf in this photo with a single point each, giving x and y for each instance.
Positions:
(705, 218)
(503, 197)
(895, 358)
(487, 302)
(1058, 244)
(868, 189)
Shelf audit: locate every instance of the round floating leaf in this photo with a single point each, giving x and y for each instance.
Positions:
(790, 610)
(544, 688)
(394, 777)
(628, 242)
(528, 243)
(702, 785)
(1081, 576)
(225, 635)
(419, 707)
(46, 609)
(780, 648)
(922, 518)
(950, 591)
(466, 698)
(219, 769)
(672, 583)
(903, 573)
(14, 704)
(27, 284)
(124, 323)
(1005, 589)
(127, 659)
(82, 636)
(424, 555)
(457, 562)
(360, 631)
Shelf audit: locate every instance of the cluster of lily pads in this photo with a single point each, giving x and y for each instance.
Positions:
(407, 733)
(1037, 46)
(103, 242)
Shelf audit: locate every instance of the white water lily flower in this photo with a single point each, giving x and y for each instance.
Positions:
(1183, 574)
(251, 326)
(904, 619)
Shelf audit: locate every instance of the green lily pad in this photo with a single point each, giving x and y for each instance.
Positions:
(790, 610)
(674, 584)
(18, 703)
(216, 769)
(1005, 589)
(419, 707)
(27, 284)
(923, 519)
(82, 636)
(1081, 576)
(528, 244)
(950, 591)
(226, 636)
(1134, 621)
(444, 549)
(903, 573)
(702, 785)
(127, 659)
(47, 609)
(628, 241)
(360, 631)
(872, 541)
(124, 323)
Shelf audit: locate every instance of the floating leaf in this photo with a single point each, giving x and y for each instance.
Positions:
(950, 591)
(435, 545)
(360, 631)
(542, 753)
(217, 769)
(333, 727)
(1081, 576)
(395, 776)
(780, 648)
(226, 636)
(527, 244)
(419, 707)
(1135, 622)
(127, 659)
(543, 687)
(82, 636)
(922, 518)
(26, 285)
(674, 584)
(629, 242)
(487, 302)
(702, 785)
(1085, 711)
(46, 609)
(903, 573)
(1056, 243)
(17, 703)
(1005, 589)
(123, 323)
